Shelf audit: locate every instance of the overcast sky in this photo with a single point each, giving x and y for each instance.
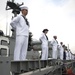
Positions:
(56, 15)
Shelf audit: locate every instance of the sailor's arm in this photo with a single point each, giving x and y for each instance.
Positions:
(14, 22)
(52, 42)
(41, 38)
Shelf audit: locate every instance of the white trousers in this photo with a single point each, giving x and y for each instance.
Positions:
(44, 53)
(21, 46)
(54, 52)
(61, 54)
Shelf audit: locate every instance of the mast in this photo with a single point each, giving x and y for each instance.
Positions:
(13, 1)
(15, 10)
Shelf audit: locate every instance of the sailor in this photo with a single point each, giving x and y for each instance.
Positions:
(64, 53)
(54, 44)
(44, 41)
(61, 50)
(22, 33)
(67, 54)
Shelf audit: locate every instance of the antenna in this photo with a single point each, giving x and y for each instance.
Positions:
(6, 28)
(9, 31)
(68, 46)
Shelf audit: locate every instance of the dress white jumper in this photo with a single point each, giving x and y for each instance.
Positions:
(22, 34)
(44, 47)
(54, 44)
(61, 51)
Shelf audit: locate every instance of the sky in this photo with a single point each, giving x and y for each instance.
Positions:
(56, 15)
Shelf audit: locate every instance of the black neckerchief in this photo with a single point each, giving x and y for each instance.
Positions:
(46, 37)
(26, 20)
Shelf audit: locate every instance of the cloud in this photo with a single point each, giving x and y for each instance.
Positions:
(56, 15)
(59, 2)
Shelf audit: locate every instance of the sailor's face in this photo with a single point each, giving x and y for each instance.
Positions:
(25, 12)
(46, 32)
(55, 37)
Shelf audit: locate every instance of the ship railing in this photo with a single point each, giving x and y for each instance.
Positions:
(32, 65)
(69, 64)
